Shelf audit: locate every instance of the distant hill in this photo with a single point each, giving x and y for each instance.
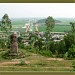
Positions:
(43, 21)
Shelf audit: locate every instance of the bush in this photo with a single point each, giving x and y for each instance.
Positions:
(60, 55)
(73, 65)
(28, 47)
(5, 55)
(11, 55)
(22, 62)
(71, 52)
(66, 55)
(21, 45)
(69, 40)
(46, 53)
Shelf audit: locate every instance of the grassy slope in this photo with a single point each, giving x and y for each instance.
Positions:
(37, 62)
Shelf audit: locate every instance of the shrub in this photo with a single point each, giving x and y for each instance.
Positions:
(21, 45)
(73, 65)
(28, 47)
(22, 62)
(66, 55)
(46, 53)
(5, 55)
(71, 52)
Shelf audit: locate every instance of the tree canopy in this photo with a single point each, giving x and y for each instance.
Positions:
(5, 23)
(50, 23)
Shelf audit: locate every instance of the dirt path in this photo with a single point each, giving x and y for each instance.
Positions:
(59, 59)
(8, 63)
(17, 61)
(12, 63)
(35, 67)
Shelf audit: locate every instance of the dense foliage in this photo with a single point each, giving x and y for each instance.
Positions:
(5, 24)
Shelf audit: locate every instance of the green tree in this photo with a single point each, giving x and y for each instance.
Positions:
(62, 47)
(73, 65)
(49, 26)
(38, 44)
(5, 24)
(32, 39)
(73, 29)
(69, 40)
(71, 52)
(52, 47)
(72, 26)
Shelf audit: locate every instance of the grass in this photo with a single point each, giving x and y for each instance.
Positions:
(37, 62)
(32, 69)
(37, 73)
(57, 28)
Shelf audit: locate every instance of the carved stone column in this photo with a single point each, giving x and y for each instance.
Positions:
(14, 44)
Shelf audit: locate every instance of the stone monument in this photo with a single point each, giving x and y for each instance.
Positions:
(14, 44)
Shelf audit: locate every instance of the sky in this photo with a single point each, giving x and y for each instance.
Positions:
(24, 10)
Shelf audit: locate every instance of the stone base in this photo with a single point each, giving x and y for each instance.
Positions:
(16, 55)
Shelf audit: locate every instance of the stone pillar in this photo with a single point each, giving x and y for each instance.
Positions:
(14, 44)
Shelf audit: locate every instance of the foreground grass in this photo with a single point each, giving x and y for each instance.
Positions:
(37, 73)
(36, 62)
(13, 68)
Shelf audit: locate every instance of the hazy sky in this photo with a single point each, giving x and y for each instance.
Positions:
(17, 10)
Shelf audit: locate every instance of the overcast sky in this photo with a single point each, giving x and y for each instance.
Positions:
(18, 10)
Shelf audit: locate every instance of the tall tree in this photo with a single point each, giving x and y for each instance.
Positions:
(6, 24)
(49, 26)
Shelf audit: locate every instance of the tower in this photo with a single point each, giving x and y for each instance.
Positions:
(36, 26)
(27, 26)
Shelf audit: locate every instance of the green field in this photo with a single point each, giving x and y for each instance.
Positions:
(57, 28)
(17, 24)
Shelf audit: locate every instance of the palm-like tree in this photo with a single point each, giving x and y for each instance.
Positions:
(50, 22)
